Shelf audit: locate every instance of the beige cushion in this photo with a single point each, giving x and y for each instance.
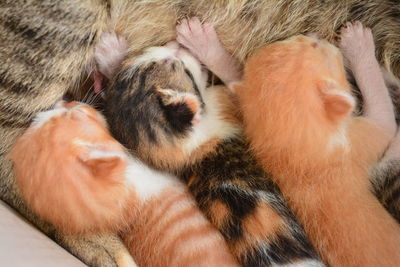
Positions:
(21, 244)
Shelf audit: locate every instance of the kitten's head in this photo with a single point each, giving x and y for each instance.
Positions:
(158, 107)
(71, 171)
(305, 97)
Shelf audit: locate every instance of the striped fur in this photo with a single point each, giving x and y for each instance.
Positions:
(247, 207)
(74, 174)
(171, 231)
(386, 179)
(237, 196)
(47, 46)
(152, 103)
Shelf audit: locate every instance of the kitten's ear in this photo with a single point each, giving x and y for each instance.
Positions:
(101, 161)
(337, 103)
(180, 106)
(235, 87)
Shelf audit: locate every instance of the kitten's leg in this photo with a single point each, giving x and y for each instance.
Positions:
(202, 41)
(358, 48)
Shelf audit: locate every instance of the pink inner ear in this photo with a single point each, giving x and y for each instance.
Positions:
(338, 104)
(102, 166)
(101, 158)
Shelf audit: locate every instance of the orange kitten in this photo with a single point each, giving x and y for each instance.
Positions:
(297, 106)
(74, 174)
(69, 170)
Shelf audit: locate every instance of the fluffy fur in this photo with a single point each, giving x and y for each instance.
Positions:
(296, 106)
(155, 106)
(73, 174)
(47, 48)
(208, 153)
(387, 183)
(69, 170)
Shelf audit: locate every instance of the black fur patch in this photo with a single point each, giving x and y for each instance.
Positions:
(231, 175)
(240, 202)
(232, 229)
(179, 116)
(195, 86)
(135, 109)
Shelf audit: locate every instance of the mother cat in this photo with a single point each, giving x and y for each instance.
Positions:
(46, 50)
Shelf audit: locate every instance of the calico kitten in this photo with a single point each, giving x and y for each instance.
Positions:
(210, 153)
(73, 174)
(297, 106)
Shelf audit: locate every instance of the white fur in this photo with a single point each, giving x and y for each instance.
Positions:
(148, 182)
(339, 138)
(42, 117)
(99, 151)
(175, 52)
(349, 98)
(211, 124)
(194, 66)
(156, 53)
(305, 263)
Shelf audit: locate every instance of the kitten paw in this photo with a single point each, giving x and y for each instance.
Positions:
(201, 39)
(110, 52)
(356, 43)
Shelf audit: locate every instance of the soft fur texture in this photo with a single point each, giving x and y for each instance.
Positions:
(73, 174)
(296, 106)
(209, 152)
(47, 49)
(70, 170)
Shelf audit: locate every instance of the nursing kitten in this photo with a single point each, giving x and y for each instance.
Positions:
(209, 152)
(297, 106)
(202, 40)
(72, 173)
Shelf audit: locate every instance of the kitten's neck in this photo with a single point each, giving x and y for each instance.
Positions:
(219, 122)
(148, 182)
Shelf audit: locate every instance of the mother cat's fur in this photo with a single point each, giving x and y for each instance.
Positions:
(46, 51)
